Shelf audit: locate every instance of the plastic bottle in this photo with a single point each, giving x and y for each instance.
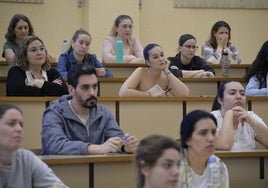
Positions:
(214, 174)
(119, 50)
(64, 46)
(225, 65)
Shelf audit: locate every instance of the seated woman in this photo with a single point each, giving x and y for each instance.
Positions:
(257, 74)
(157, 162)
(198, 137)
(33, 75)
(19, 28)
(20, 167)
(155, 80)
(78, 53)
(122, 27)
(219, 44)
(237, 128)
(186, 64)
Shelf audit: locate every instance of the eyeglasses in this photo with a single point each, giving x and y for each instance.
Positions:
(191, 47)
(35, 49)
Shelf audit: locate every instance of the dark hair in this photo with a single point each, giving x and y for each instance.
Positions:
(188, 124)
(259, 66)
(147, 49)
(78, 70)
(21, 59)
(216, 105)
(214, 29)
(117, 21)
(5, 107)
(149, 150)
(184, 38)
(10, 34)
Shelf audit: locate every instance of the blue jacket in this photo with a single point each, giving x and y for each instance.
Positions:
(67, 60)
(63, 132)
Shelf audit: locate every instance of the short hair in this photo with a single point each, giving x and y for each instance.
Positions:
(149, 150)
(10, 34)
(117, 21)
(188, 124)
(147, 49)
(184, 38)
(78, 70)
(6, 106)
(21, 59)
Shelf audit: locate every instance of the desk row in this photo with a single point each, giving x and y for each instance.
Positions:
(139, 116)
(124, 70)
(109, 87)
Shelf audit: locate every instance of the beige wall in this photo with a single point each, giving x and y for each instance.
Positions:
(157, 21)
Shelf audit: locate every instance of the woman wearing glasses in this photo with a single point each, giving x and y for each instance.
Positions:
(186, 63)
(123, 26)
(219, 45)
(33, 75)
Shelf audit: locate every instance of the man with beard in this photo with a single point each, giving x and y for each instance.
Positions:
(76, 125)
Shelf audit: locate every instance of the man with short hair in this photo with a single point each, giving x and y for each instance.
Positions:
(76, 125)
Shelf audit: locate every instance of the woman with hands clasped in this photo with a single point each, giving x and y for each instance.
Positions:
(33, 75)
(219, 45)
(237, 128)
(155, 80)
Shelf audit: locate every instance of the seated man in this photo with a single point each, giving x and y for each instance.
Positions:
(76, 125)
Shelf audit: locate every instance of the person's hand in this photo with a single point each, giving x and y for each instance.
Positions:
(159, 94)
(57, 81)
(56, 185)
(100, 71)
(207, 74)
(111, 145)
(222, 41)
(242, 115)
(167, 66)
(130, 143)
(39, 83)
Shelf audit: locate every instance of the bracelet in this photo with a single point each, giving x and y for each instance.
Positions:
(150, 94)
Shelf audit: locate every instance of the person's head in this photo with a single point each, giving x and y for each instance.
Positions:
(19, 28)
(80, 42)
(122, 26)
(83, 84)
(11, 127)
(219, 28)
(187, 46)
(198, 131)
(32, 53)
(259, 66)
(230, 94)
(154, 56)
(157, 161)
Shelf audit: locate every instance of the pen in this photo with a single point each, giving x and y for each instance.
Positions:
(168, 90)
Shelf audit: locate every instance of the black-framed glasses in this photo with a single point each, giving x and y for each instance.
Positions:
(191, 47)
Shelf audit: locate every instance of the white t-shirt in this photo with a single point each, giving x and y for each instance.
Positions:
(244, 138)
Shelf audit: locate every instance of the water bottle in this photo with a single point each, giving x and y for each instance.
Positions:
(119, 50)
(64, 46)
(225, 65)
(214, 173)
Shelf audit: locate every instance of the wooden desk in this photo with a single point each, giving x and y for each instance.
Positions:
(109, 87)
(246, 169)
(124, 70)
(139, 116)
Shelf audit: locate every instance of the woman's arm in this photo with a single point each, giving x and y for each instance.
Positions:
(225, 135)
(129, 87)
(253, 88)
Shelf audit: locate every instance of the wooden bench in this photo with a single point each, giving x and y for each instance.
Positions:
(138, 116)
(246, 169)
